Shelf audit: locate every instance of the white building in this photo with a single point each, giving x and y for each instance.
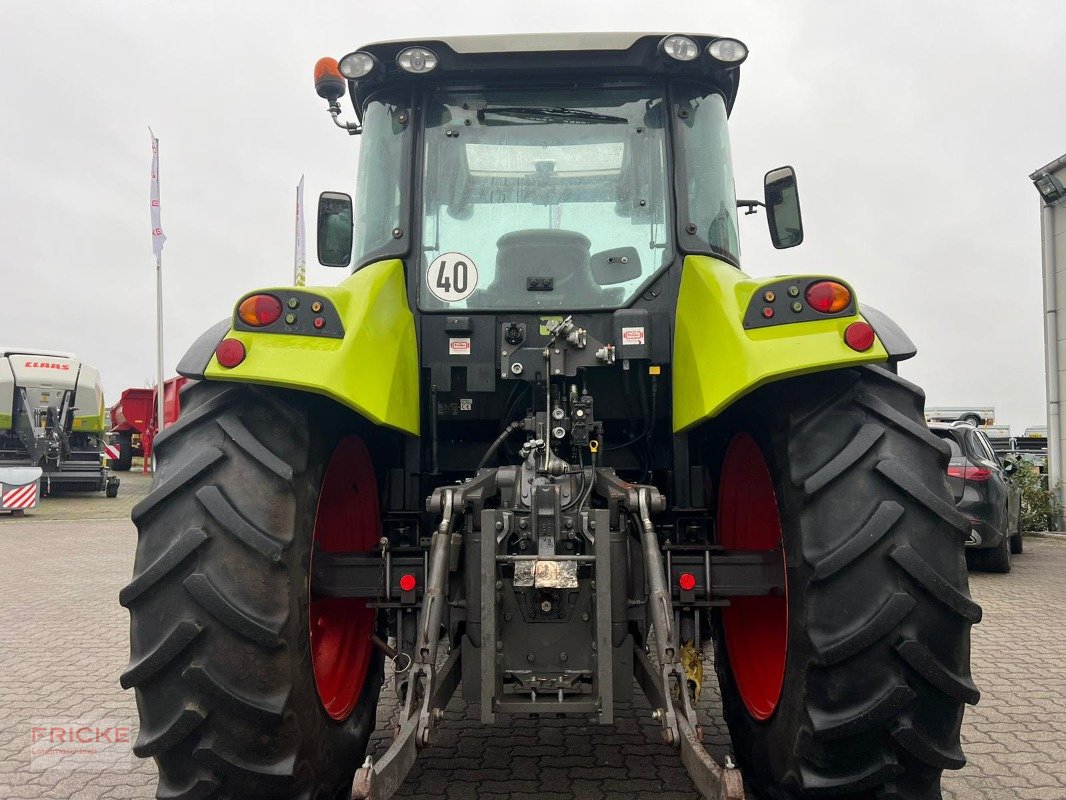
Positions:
(1049, 181)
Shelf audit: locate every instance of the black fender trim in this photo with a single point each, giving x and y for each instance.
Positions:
(896, 342)
(195, 361)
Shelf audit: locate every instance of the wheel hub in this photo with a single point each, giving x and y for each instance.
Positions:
(347, 520)
(755, 628)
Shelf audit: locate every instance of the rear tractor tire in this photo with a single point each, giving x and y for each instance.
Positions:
(247, 685)
(852, 684)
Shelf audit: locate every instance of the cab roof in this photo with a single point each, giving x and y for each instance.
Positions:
(527, 42)
(543, 57)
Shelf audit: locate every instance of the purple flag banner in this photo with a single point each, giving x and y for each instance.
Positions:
(158, 237)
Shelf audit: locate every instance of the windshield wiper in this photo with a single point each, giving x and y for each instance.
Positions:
(549, 114)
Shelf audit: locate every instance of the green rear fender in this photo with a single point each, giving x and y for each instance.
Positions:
(372, 370)
(717, 360)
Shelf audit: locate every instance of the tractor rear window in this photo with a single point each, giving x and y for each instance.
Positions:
(543, 199)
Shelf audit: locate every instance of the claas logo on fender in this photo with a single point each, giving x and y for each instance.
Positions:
(46, 365)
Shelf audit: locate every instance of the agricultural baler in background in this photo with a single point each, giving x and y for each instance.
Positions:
(53, 419)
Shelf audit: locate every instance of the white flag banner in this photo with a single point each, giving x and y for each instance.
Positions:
(158, 237)
(300, 259)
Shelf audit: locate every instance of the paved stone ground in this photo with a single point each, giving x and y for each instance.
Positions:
(63, 644)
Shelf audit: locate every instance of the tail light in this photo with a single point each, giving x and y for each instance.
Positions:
(859, 336)
(969, 473)
(230, 352)
(259, 310)
(829, 297)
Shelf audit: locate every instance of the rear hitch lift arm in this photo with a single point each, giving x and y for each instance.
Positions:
(679, 724)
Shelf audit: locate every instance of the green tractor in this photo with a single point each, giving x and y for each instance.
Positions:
(548, 443)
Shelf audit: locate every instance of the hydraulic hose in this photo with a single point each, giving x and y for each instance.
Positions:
(499, 440)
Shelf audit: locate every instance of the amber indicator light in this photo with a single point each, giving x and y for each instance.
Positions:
(259, 310)
(829, 297)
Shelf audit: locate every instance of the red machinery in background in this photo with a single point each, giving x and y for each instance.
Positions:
(134, 421)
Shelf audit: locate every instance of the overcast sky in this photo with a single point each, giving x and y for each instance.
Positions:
(912, 126)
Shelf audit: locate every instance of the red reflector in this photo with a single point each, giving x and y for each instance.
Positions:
(407, 582)
(859, 336)
(768, 312)
(970, 473)
(319, 323)
(259, 310)
(230, 352)
(687, 581)
(829, 297)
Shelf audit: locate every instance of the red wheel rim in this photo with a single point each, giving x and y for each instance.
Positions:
(756, 628)
(346, 521)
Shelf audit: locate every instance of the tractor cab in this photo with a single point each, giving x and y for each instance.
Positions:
(541, 172)
(542, 193)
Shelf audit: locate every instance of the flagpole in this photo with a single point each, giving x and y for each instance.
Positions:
(158, 238)
(299, 256)
(159, 341)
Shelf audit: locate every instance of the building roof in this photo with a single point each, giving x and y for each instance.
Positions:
(1051, 168)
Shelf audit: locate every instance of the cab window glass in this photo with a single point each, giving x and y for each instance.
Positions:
(379, 197)
(547, 199)
(709, 200)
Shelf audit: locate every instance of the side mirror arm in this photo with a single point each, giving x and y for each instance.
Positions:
(751, 205)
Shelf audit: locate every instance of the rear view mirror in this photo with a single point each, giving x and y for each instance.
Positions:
(334, 229)
(783, 207)
(1008, 467)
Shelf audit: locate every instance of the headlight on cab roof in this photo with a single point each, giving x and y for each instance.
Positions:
(727, 52)
(417, 60)
(357, 65)
(680, 48)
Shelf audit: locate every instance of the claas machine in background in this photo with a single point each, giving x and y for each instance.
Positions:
(52, 418)
(547, 438)
(134, 420)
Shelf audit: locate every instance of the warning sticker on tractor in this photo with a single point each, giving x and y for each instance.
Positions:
(452, 277)
(459, 346)
(632, 336)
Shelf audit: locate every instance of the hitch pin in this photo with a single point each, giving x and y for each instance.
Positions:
(392, 654)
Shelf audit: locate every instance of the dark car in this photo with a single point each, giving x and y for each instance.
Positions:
(977, 479)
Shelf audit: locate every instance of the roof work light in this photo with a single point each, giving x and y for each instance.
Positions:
(417, 60)
(680, 48)
(727, 52)
(357, 65)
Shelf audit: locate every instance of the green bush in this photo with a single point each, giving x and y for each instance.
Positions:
(1040, 507)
